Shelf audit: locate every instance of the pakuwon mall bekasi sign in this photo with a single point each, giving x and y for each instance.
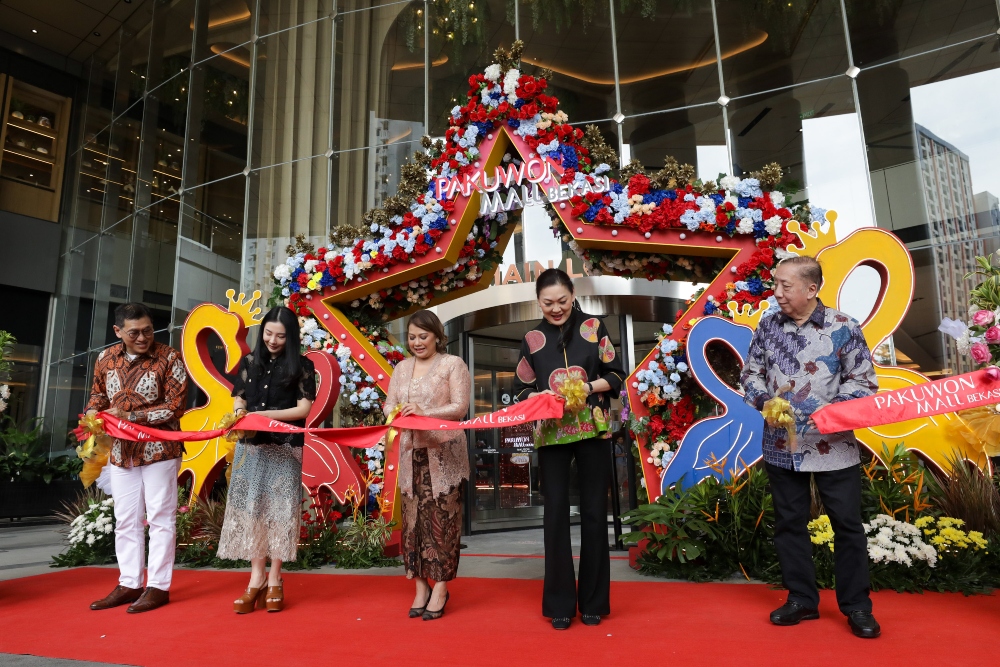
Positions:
(531, 182)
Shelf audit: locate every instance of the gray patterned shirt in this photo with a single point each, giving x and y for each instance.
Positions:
(826, 360)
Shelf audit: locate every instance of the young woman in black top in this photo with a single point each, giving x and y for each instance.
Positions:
(265, 491)
(569, 353)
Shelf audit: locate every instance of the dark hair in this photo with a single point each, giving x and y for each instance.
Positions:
(428, 321)
(808, 268)
(552, 278)
(131, 311)
(289, 364)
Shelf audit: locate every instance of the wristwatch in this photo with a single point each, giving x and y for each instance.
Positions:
(590, 388)
(131, 416)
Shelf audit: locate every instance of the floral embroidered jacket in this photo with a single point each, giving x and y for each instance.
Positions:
(441, 392)
(544, 364)
(826, 360)
(152, 388)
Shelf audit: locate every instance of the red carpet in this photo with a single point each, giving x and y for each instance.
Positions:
(361, 621)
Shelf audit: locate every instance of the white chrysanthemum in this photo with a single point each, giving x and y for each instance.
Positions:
(282, 273)
(493, 73)
(510, 81)
(773, 225)
(745, 226)
(729, 182)
(777, 198)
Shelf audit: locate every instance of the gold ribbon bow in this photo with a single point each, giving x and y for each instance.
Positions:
(94, 450)
(574, 390)
(980, 427)
(232, 437)
(778, 413)
(391, 434)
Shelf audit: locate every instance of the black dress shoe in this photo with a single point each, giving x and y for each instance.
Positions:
(561, 623)
(863, 624)
(591, 619)
(791, 613)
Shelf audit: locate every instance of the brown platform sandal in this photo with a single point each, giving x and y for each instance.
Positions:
(250, 600)
(276, 597)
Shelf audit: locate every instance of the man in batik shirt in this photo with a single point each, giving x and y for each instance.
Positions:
(144, 382)
(812, 355)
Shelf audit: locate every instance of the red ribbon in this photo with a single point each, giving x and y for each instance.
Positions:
(959, 392)
(543, 406)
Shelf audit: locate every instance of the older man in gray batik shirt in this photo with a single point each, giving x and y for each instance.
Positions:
(812, 355)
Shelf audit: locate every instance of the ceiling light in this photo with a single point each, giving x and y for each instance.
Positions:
(619, 117)
(723, 101)
(853, 71)
(97, 34)
(34, 31)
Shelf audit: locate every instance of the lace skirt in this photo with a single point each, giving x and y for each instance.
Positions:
(264, 503)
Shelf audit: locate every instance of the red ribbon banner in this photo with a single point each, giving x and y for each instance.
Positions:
(543, 406)
(960, 392)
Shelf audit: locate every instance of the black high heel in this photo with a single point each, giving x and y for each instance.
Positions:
(419, 611)
(434, 615)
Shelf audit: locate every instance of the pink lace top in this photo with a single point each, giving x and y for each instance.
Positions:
(442, 392)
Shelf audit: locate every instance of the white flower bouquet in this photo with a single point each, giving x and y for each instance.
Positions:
(892, 541)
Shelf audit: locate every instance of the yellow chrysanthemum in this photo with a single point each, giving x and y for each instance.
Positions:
(821, 532)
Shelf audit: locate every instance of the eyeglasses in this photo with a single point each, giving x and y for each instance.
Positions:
(132, 334)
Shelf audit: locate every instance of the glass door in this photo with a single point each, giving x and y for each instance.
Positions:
(505, 464)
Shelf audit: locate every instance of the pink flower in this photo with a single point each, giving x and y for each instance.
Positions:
(982, 318)
(980, 352)
(993, 335)
(183, 509)
(993, 373)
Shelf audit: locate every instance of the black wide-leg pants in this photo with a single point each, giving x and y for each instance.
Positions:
(562, 596)
(840, 491)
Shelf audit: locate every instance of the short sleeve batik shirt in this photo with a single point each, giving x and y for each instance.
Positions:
(825, 360)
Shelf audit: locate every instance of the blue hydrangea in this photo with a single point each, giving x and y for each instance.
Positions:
(749, 187)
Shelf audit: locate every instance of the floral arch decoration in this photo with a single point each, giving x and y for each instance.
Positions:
(443, 235)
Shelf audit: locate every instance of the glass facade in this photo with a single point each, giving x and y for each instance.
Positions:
(212, 132)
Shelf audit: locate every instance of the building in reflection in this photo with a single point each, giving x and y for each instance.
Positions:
(988, 221)
(946, 183)
(192, 141)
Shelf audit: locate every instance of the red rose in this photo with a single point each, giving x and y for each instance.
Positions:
(638, 185)
(656, 426)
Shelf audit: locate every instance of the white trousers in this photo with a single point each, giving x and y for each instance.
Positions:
(145, 492)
